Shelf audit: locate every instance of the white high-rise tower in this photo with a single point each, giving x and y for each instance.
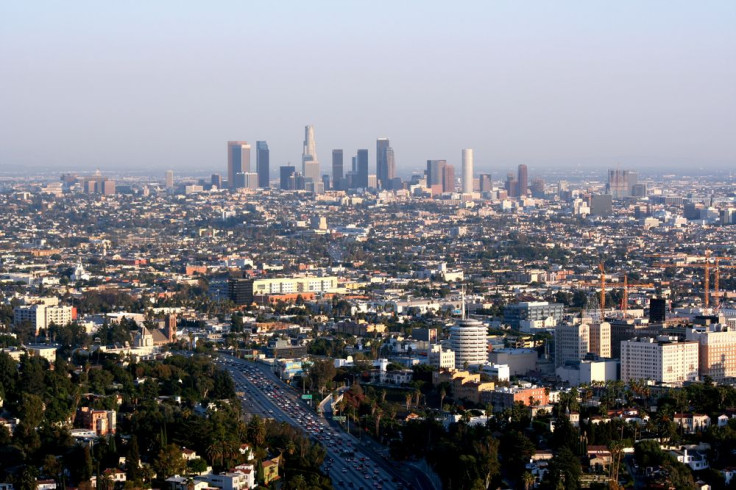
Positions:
(467, 171)
(310, 163)
(469, 340)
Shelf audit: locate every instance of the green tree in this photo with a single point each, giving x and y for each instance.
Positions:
(565, 468)
(169, 462)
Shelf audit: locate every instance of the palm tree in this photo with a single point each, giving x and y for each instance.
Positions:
(408, 400)
(379, 413)
(443, 394)
(214, 451)
(290, 447)
(298, 482)
(528, 480)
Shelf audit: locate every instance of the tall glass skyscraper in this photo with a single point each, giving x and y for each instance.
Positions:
(337, 170)
(238, 160)
(362, 175)
(310, 163)
(522, 180)
(262, 164)
(385, 170)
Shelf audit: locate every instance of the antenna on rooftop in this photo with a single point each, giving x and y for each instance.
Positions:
(462, 302)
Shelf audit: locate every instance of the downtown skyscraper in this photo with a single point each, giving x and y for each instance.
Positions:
(385, 166)
(522, 180)
(238, 160)
(262, 164)
(310, 163)
(338, 173)
(361, 176)
(467, 171)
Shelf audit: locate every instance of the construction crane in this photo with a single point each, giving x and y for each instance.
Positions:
(625, 299)
(706, 265)
(602, 284)
(716, 285)
(603, 289)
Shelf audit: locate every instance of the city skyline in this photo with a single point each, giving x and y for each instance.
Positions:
(545, 85)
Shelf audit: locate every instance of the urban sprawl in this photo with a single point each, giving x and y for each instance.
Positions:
(338, 326)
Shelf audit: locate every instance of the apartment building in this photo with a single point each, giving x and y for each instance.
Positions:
(662, 360)
(716, 350)
(40, 316)
(243, 291)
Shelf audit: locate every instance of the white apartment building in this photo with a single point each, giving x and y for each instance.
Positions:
(573, 342)
(41, 316)
(662, 360)
(716, 350)
(288, 285)
(440, 358)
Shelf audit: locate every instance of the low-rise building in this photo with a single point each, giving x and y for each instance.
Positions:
(440, 358)
(519, 361)
(506, 397)
(103, 422)
(692, 422)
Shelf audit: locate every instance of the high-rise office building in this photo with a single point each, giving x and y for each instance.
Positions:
(169, 179)
(467, 171)
(216, 180)
(572, 342)
(286, 177)
(337, 170)
(435, 169)
(621, 183)
(512, 185)
(385, 170)
(262, 164)
(485, 183)
(600, 339)
(657, 310)
(238, 160)
(310, 163)
(362, 170)
(448, 178)
(522, 180)
(537, 188)
(469, 341)
(390, 168)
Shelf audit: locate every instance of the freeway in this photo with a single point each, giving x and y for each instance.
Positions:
(347, 464)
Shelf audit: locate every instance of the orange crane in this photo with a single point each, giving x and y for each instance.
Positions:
(625, 299)
(603, 289)
(716, 285)
(706, 265)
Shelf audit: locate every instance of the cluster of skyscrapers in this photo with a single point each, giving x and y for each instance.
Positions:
(239, 172)
(440, 176)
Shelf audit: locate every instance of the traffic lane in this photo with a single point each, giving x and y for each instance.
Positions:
(358, 475)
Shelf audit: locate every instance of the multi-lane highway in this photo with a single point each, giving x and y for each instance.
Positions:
(347, 464)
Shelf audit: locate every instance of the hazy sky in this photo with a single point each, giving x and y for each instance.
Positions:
(164, 84)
